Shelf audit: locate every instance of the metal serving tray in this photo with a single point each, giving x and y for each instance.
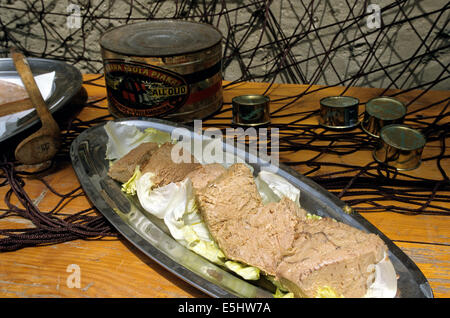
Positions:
(67, 84)
(152, 238)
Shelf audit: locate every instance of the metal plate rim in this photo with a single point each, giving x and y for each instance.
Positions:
(61, 94)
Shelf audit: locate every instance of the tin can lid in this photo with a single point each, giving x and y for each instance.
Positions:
(385, 108)
(339, 112)
(402, 137)
(339, 101)
(251, 110)
(160, 38)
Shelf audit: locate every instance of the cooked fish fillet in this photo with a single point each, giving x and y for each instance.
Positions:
(327, 253)
(245, 230)
(122, 170)
(278, 238)
(262, 237)
(165, 170)
(227, 200)
(206, 174)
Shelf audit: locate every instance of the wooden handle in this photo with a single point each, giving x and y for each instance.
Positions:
(36, 98)
(15, 106)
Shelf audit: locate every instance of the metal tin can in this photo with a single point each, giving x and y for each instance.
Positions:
(163, 68)
(251, 110)
(339, 112)
(380, 112)
(400, 147)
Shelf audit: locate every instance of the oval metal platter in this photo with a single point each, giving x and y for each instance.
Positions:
(151, 236)
(67, 84)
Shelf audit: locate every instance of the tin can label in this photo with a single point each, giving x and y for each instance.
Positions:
(144, 90)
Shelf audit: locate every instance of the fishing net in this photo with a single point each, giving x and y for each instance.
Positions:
(400, 47)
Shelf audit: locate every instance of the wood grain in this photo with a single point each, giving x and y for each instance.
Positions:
(15, 106)
(44, 143)
(434, 262)
(114, 268)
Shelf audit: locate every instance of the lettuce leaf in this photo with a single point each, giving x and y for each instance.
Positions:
(327, 292)
(279, 186)
(205, 248)
(154, 201)
(385, 280)
(273, 187)
(281, 294)
(266, 193)
(281, 291)
(311, 216)
(124, 138)
(245, 271)
(129, 187)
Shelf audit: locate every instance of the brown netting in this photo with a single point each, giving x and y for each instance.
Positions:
(260, 46)
(55, 225)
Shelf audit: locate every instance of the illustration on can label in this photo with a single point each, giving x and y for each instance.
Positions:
(144, 90)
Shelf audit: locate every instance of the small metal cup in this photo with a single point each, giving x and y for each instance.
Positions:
(339, 112)
(400, 147)
(380, 112)
(251, 110)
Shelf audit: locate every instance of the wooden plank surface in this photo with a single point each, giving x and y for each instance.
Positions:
(114, 268)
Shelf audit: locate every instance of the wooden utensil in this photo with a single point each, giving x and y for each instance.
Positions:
(44, 143)
(15, 107)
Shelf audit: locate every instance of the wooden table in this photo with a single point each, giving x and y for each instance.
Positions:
(114, 268)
